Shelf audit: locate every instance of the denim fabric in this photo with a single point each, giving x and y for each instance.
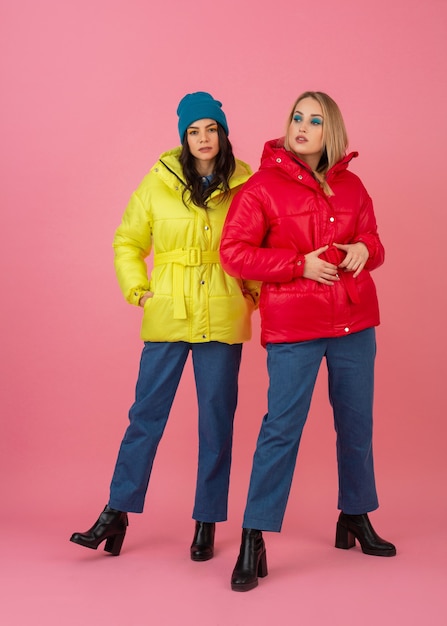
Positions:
(216, 369)
(293, 369)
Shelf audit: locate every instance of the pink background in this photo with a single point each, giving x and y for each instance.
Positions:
(89, 94)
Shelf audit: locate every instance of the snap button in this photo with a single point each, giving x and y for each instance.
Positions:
(278, 160)
(347, 329)
(300, 177)
(332, 219)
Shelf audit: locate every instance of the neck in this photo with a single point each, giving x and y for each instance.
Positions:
(204, 168)
(312, 162)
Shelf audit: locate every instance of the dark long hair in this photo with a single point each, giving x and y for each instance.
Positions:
(223, 170)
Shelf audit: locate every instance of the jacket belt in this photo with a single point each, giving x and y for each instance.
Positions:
(333, 256)
(181, 258)
(351, 286)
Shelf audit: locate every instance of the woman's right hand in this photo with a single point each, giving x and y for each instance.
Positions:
(145, 297)
(319, 270)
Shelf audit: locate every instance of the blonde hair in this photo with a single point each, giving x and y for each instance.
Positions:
(335, 137)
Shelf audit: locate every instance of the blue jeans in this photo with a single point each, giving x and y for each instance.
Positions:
(216, 370)
(293, 369)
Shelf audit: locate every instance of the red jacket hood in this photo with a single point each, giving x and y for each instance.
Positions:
(275, 149)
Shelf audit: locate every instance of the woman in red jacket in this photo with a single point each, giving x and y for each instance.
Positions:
(305, 226)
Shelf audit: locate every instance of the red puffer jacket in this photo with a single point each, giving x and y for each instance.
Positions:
(280, 215)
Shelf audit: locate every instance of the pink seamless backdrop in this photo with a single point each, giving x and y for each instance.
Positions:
(88, 100)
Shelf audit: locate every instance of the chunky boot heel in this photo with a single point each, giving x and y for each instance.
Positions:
(110, 527)
(202, 547)
(352, 527)
(251, 563)
(114, 544)
(344, 539)
(262, 567)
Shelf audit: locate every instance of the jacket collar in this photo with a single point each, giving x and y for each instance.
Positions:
(172, 173)
(275, 154)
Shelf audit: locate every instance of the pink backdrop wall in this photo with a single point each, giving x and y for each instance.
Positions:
(89, 93)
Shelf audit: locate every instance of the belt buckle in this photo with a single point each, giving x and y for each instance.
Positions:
(194, 256)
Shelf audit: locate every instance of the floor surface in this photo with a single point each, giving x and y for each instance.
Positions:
(48, 580)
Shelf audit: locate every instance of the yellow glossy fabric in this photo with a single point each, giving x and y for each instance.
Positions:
(194, 300)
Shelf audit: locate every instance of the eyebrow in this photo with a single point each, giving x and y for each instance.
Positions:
(207, 126)
(311, 115)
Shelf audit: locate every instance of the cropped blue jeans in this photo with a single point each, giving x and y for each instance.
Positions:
(293, 369)
(216, 370)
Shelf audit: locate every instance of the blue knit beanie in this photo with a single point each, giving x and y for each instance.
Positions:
(198, 106)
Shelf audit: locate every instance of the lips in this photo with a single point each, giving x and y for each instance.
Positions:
(301, 139)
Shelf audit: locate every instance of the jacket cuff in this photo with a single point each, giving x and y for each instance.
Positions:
(298, 267)
(134, 295)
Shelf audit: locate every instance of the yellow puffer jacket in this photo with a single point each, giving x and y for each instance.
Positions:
(194, 300)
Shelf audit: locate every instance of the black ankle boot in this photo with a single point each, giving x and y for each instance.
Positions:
(202, 547)
(352, 527)
(110, 526)
(251, 563)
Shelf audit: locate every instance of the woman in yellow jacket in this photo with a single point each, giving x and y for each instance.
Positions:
(190, 305)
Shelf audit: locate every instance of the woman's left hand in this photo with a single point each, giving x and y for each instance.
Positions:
(144, 297)
(356, 256)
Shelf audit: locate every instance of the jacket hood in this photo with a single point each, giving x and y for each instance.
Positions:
(274, 150)
(172, 171)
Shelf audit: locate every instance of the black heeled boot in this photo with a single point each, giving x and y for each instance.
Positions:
(110, 526)
(251, 563)
(202, 547)
(352, 527)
